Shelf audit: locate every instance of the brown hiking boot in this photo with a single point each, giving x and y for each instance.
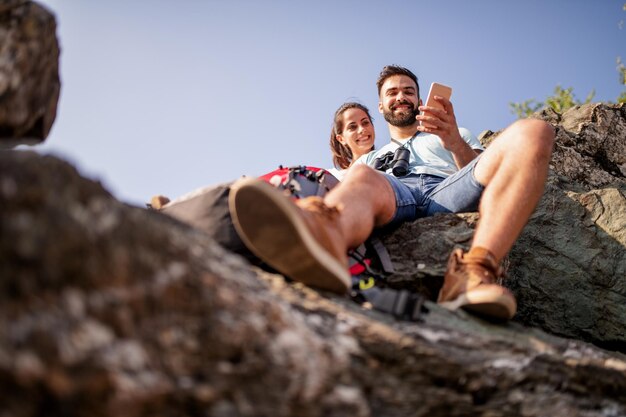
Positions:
(470, 283)
(302, 240)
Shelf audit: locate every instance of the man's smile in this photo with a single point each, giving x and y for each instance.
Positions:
(402, 106)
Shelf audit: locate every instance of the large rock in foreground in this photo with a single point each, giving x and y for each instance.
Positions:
(29, 72)
(107, 309)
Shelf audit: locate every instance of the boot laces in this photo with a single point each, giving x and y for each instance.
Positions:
(483, 268)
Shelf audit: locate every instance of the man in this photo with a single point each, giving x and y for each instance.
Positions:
(308, 240)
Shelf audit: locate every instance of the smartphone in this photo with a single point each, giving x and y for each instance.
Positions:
(437, 89)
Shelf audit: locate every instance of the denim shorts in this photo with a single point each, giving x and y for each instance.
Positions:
(421, 195)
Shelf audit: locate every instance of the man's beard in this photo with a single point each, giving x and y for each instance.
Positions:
(403, 119)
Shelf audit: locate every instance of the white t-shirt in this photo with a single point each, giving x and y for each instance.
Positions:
(427, 154)
(337, 173)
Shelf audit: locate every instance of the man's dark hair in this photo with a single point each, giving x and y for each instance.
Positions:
(391, 70)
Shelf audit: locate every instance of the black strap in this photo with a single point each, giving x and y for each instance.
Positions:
(383, 256)
(402, 304)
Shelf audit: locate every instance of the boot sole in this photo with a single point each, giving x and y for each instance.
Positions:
(488, 301)
(282, 239)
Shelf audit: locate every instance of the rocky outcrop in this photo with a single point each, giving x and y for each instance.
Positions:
(29, 72)
(110, 309)
(590, 144)
(569, 267)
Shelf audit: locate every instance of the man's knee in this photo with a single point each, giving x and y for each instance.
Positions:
(533, 135)
(372, 182)
(535, 130)
(362, 172)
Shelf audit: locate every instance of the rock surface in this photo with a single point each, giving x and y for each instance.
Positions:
(108, 309)
(29, 72)
(112, 310)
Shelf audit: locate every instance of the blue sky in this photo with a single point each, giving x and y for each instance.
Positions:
(162, 97)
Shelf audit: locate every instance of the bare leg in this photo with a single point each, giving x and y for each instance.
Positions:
(513, 170)
(366, 200)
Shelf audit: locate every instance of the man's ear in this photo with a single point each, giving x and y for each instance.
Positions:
(380, 107)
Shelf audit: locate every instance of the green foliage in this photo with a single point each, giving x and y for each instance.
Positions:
(562, 100)
(525, 108)
(621, 68)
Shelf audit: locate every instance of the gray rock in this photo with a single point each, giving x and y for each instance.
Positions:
(590, 147)
(568, 268)
(29, 72)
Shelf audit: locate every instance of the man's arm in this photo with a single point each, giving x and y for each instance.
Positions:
(443, 124)
(463, 154)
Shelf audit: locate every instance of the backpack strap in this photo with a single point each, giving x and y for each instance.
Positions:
(383, 256)
(367, 283)
(402, 304)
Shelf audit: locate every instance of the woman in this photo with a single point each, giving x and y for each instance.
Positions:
(351, 136)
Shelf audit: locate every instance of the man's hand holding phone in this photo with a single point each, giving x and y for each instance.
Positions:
(437, 117)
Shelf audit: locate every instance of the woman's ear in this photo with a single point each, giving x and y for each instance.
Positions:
(340, 139)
